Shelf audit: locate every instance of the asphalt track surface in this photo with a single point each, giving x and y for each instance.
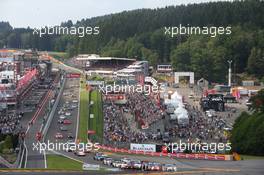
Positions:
(55, 126)
(33, 158)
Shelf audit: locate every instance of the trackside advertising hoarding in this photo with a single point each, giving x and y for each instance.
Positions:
(143, 147)
(73, 75)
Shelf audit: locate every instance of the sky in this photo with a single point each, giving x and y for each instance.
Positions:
(39, 13)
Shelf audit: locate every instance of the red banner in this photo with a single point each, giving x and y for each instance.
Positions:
(26, 79)
(91, 132)
(74, 75)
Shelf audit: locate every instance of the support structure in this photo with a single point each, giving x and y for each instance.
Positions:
(182, 74)
(229, 73)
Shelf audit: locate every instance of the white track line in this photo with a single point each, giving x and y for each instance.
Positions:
(26, 155)
(21, 160)
(78, 113)
(45, 159)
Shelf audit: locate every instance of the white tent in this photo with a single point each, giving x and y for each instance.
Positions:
(180, 110)
(176, 96)
(182, 116)
(183, 119)
(171, 102)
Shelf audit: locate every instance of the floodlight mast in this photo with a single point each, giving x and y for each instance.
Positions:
(229, 73)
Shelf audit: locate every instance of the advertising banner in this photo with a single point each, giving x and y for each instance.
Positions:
(73, 75)
(143, 147)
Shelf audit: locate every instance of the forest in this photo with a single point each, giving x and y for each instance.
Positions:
(140, 34)
(248, 131)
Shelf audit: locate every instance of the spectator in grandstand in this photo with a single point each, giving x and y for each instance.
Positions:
(144, 107)
(9, 123)
(116, 127)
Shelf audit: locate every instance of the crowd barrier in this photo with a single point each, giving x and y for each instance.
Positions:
(199, 156)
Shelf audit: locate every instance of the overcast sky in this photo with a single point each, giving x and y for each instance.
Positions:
(38, 13)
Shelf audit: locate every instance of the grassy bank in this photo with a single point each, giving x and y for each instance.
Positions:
(59, 55)
(249, 157)
(97, 122)
(84, 113)
(62, 163)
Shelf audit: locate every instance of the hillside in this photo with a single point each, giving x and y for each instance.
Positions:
(140, 34)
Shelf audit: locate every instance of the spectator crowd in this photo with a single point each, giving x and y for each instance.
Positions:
(146, 111)
(116, 128)
(144, 107)
(9, 123)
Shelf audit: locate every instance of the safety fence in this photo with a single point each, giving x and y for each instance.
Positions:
(198, 156)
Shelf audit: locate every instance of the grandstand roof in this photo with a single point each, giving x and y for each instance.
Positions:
(97, 57)
(128, 71)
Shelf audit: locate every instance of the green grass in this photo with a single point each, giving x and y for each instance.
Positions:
(10, 157)
(249, 157)
(96, 123)
(59, 55)
(84, 113)
(62, 163)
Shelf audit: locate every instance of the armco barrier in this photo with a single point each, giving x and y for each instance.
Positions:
(199, 156)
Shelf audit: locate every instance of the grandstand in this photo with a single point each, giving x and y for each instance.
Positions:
(134, 70)
(18, 72)
(164, 68)
(95, 62)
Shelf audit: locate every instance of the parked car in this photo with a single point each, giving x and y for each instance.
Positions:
(126, 160)
(60, 121)
(116, 163)
(153, 166)
(124, 165)
(99, 156)
(144, 165)
(58, 136)
(107, 161)
(248, 103)
(67, 122)
(169, 167)
(62, 117)
(63, 128)
(135, 164)
(67, 113)
(73, 106)
(60, 112)
(210, 113)
(79, 153)
(70, 136)
(75, 101)
(70, 146)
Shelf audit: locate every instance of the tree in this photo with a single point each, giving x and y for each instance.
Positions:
(181, 58)
(258, 102)
(132, 48)
(150, 56)
(255, 63)
(247, 136)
